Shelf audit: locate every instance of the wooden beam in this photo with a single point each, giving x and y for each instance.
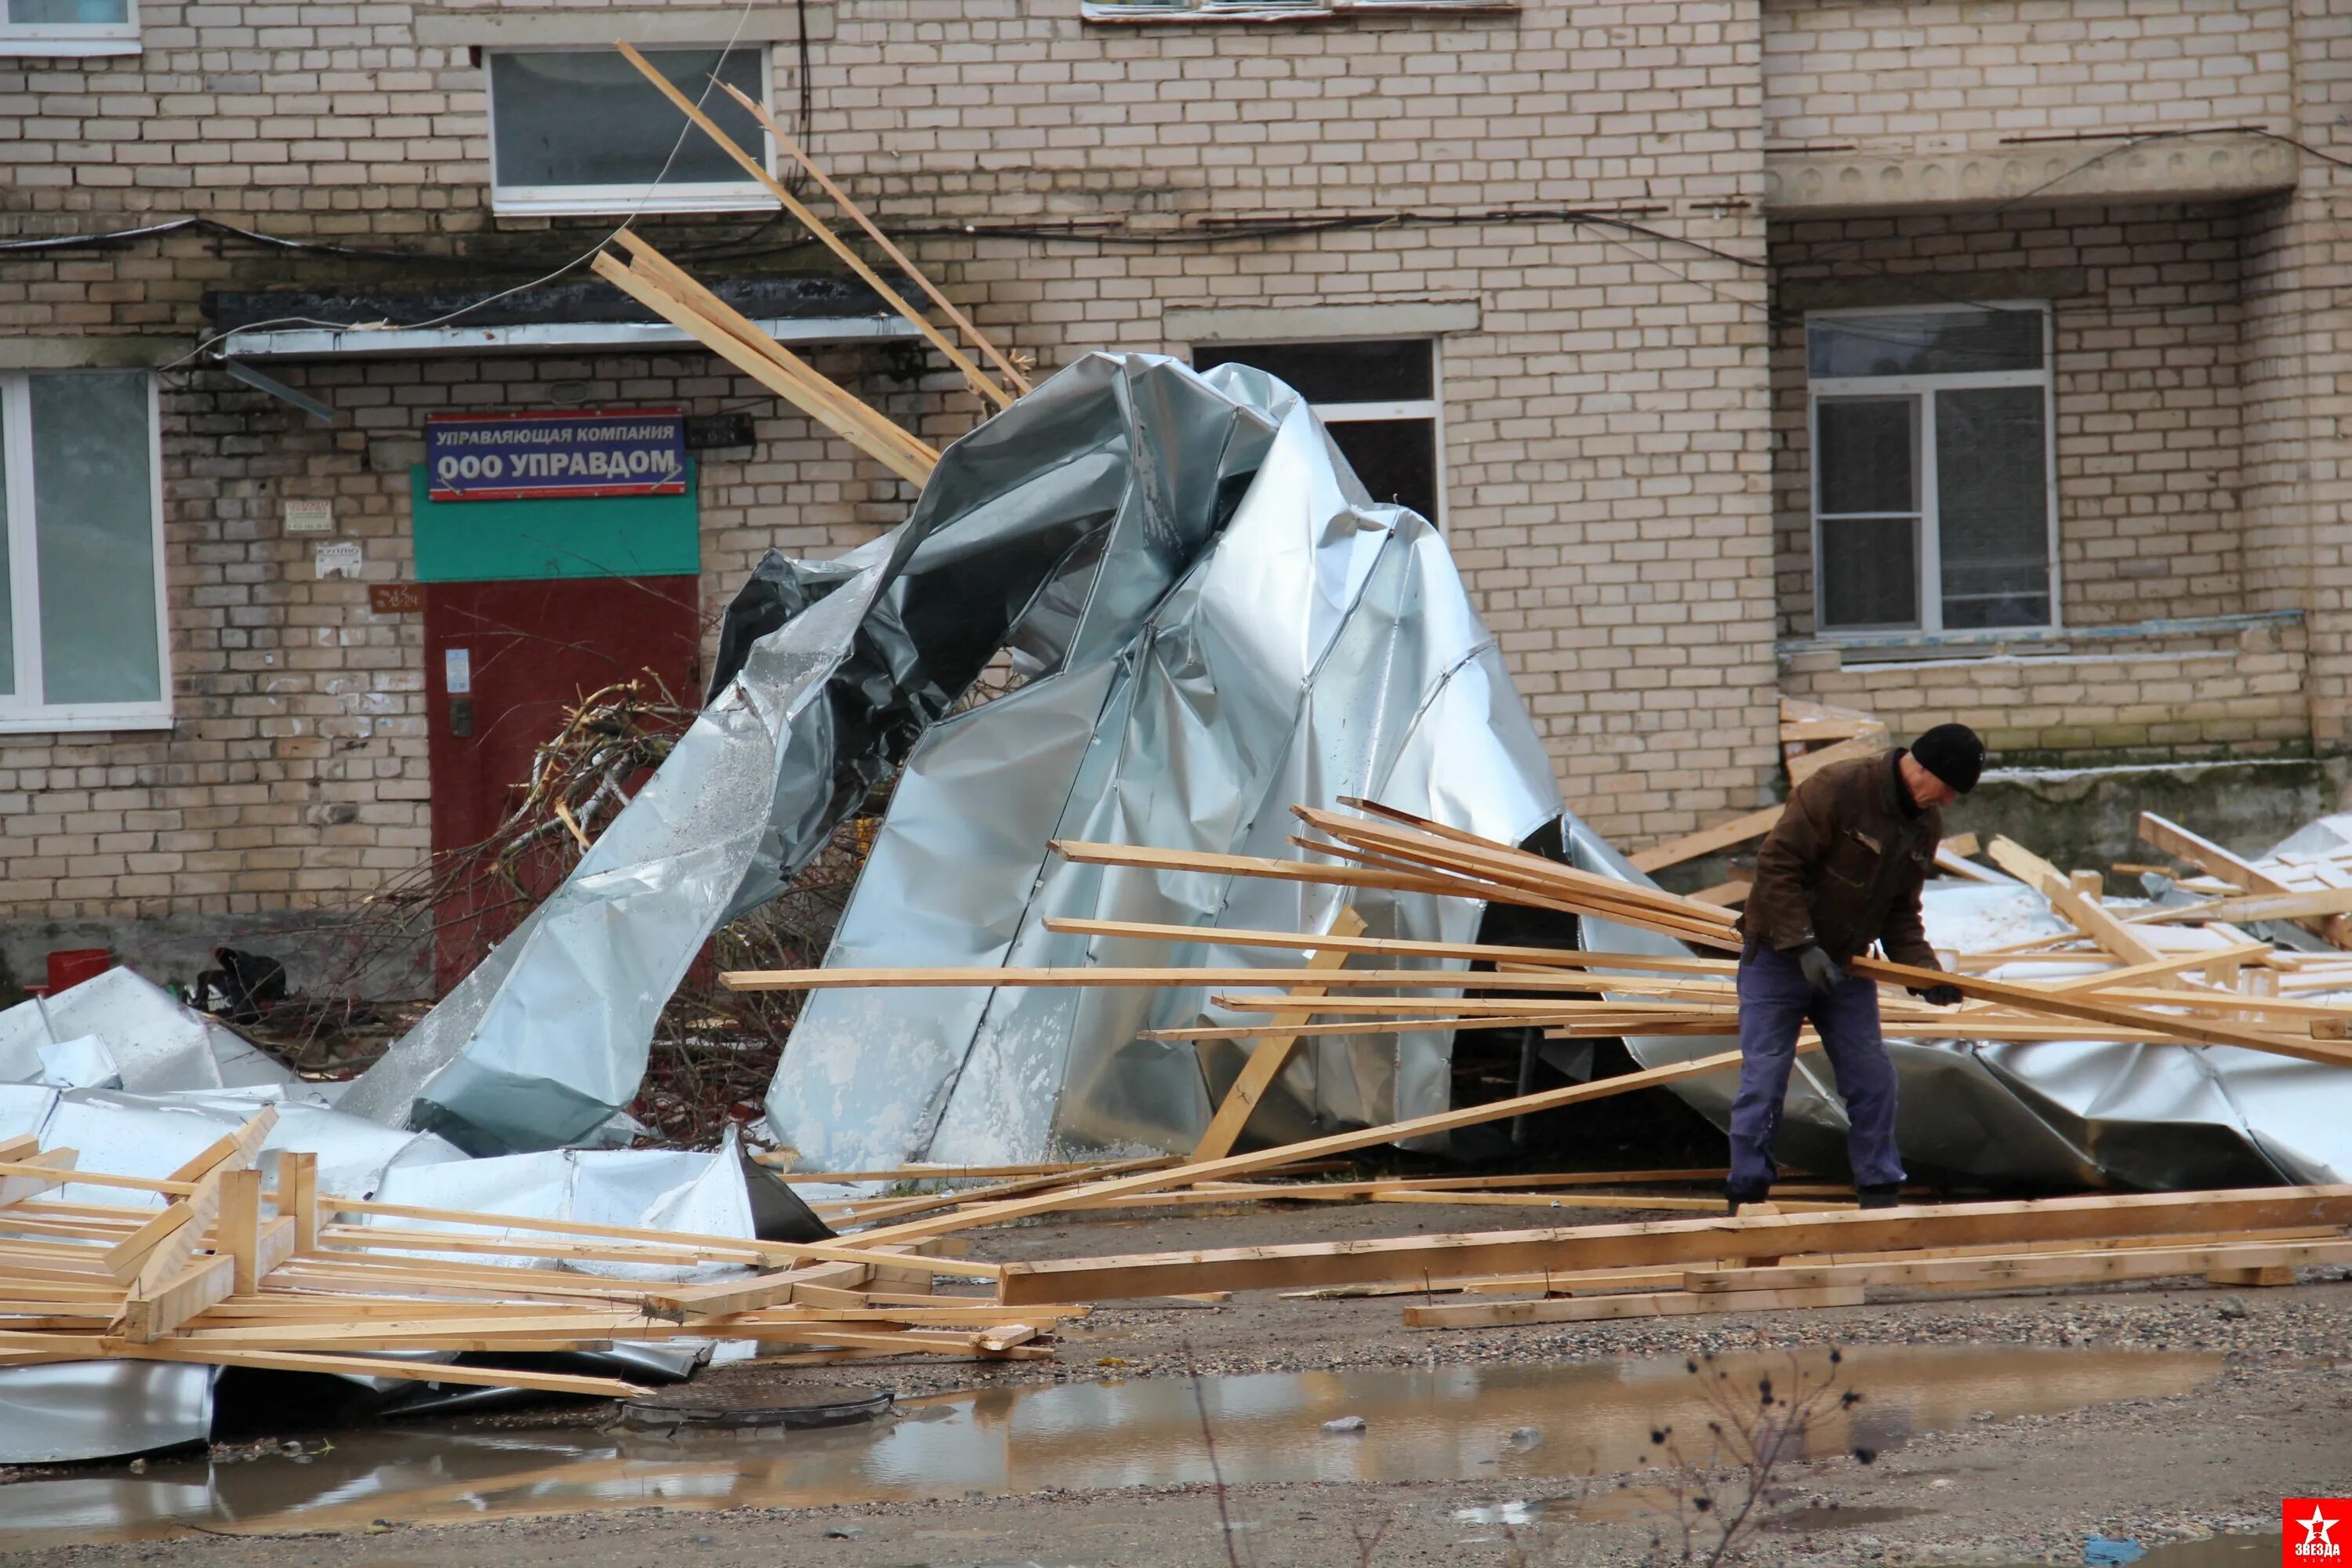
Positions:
(2000, 1270)
(651, 265)
(2198, 1031)
(25, 1174)
(2087, 914)
(1608, 1308)
(151, 1313)
(762, 369)
(1216, 936)
(1706, 840)
(1267, 1056)
(761, 112)
(380, 1367)
(1661, 1243)
(298, 1196)
(1804, 767)
(238, 1229)
(816, 226)
(1315, 1148)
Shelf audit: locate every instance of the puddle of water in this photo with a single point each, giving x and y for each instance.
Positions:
(1497, 1424)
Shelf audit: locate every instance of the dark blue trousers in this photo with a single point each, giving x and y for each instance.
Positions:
(1774, 1002)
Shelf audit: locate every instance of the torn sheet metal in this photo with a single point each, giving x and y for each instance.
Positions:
(1324, 645)
(96, 1410)
(1036, 529)
(2041, 1113)
(154, 1135)
(157, 1043)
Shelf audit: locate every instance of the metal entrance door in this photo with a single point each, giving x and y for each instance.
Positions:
(505, 665)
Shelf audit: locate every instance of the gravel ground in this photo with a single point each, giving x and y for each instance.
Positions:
(2277, 1422)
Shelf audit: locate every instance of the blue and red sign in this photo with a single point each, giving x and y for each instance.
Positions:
(578, 454)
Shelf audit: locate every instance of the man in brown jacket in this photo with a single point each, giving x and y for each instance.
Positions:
(1841, 870)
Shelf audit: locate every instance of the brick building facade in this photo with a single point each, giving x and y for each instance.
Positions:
(1610, 230)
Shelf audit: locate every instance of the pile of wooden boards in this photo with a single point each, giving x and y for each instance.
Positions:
(290, 1279)
(2129, 975)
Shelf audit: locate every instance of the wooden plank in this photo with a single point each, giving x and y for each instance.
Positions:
(1464, 852)
(2317, 903)
(1660, 1243)
(1267, 1056)
(238, 1229)
(2199, 1031)
(2086, 913)
(241, 1147)
(1952, 865)
(1317, 1148)
(149, 1313)
(664, 274)
(2210, 857)
(1553, 977)
(1606, 1309)
(28, 1173)
(380, 1367)
(2174, 963)
(760, 368)
(1539, 957)
(298, 1196)
(1706, 840)
(808, 220)
(1861, 746)
(2025, 1269)
(125, 1259)
(2206, 855)
(761, 112)
(935, 1173)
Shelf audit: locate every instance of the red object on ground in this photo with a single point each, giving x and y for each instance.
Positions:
(72, 966)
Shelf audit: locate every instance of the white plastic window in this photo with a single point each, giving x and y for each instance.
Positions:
(580, 130)
(69, 27)
(81, 579)
(1934, 490)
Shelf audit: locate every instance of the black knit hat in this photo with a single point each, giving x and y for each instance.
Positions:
(1953, 752)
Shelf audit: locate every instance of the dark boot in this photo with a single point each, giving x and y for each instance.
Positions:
(1879, 1197)
(1733, 1196)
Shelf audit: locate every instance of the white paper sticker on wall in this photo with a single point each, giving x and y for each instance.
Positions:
(457, 670)
(309, 517)
(341, 559)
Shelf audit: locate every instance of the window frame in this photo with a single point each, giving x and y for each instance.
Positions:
(1432, 408)
(1921, 391)
(605, 201)
(1147, 12)
(30, 39)
(19, 713)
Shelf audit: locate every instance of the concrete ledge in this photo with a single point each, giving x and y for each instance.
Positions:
(90, 352)
(2217, 167)
(513, 25)
(1401, 319)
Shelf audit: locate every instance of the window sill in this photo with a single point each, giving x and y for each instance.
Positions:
(623, 204)
(69, 721)
(1858, 648)
(1216, 13)
(52, 48)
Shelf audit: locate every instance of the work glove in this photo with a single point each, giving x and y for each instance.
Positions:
(1945, 995)
(1821, 972)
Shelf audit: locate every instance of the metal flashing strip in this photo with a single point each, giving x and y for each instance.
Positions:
(395, 343)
